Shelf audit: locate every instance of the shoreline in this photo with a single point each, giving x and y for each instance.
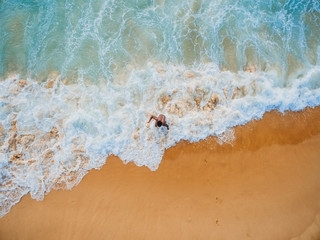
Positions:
(265, 185)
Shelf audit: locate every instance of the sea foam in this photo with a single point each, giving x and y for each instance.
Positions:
(90, 74)
(53, 133)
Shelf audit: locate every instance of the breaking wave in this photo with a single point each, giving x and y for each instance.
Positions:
(80, 79)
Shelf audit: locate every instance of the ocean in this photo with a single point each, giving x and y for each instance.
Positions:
(79, 80)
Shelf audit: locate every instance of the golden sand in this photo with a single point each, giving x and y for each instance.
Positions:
(264, 186)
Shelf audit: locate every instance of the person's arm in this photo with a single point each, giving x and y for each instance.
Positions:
(152, 117)
(166, 125)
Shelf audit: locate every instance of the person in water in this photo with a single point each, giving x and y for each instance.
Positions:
(160, 121)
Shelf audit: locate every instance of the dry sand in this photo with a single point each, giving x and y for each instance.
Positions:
(265, 186)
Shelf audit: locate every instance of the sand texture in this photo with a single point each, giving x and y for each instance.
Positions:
(266, 185)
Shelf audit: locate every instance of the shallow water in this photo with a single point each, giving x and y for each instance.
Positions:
(80, 78)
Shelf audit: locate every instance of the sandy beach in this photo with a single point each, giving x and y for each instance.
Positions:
(237, 81)
(265, 185)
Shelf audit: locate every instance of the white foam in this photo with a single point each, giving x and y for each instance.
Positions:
(75, 127)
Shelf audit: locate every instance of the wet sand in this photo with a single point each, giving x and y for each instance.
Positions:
(266, 185)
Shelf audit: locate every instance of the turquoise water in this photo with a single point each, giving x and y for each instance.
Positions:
(79, 80)
(96, 39)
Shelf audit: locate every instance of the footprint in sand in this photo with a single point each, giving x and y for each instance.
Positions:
(218, 200)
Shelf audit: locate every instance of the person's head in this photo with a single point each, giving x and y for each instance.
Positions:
(159, 123)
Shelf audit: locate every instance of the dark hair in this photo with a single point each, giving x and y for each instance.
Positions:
(159, 123)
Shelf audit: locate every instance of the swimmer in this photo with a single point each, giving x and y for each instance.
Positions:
(160, 121)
